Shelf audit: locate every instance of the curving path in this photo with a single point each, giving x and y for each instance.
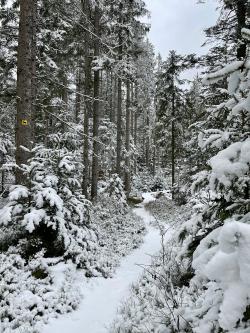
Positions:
(102, 299)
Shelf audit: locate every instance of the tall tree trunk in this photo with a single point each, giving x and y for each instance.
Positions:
(241, 13)
(135, 138)
(119, 104)
(3, 160)
(101, 92)
(142, 134)
(115, 98)
(173, 142)
(135, 125)
(33, 69)
(87, 100)
(147, 142)
(154, 156)
(96, 108)
(132, 111)
(108, 91)
(78, 94)
(119, 126)
(65, 93)
(111, 106)
(26, 91)
(127, 142)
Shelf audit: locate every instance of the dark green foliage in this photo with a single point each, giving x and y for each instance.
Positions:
(39, 273)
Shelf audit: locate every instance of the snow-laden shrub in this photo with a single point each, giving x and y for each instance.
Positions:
(31, 293)
(211, 296)
(119, 229)
(222, 259)
(50, 213)
(145, 181)
(157, 301)
(113, 192)
(35, 290)
(6, 162)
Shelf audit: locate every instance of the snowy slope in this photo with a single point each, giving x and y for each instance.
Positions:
(103, 296)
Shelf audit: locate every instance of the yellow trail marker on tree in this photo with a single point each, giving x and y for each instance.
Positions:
(24, 122)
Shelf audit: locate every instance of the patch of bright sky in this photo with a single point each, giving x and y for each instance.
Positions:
(179, 24)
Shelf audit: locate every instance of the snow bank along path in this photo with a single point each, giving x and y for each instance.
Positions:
(102, 297)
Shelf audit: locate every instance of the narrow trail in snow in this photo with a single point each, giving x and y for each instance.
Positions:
(101, 300)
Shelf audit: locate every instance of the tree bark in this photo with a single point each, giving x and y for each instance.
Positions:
(132, 111)
(241, 11)
(154, 156)
(96, 108)
(78, 94)
(115, 98)
(87, 100)
(26, 90)
(173, 142)
(135, 126)
(127, 142)
(119, 104)
(65, 93)
(111, 106)
(147, 154)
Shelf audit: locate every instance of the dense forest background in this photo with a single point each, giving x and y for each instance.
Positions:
(91, 118)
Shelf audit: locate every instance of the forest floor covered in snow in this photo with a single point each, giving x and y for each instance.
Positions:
(102, 297)
(51, 295)
(148, 308)
(35, 290)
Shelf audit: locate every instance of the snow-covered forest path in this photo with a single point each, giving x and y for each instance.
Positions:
(102, 299)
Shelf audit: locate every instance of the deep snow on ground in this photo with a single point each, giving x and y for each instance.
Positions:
(102, 297)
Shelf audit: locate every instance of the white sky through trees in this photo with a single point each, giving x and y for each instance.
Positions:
(179, 24)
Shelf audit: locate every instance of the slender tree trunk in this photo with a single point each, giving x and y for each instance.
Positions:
(127, 142)
(119, 106)
(2, 181)
(108, 91)
(87, 100)
(2, 172)
(101, 92)
(96, 108)
(135, 126)
(115, 98)
(159, 158)
(147, 157)
(173, 142)
(119, 127)
(132, 111)
(26, 92)
(241, 13)
(248, 14)
(135, 138)
(65, 94)
(111, 106)
(143, 139)
(78, 95)
(154, 156)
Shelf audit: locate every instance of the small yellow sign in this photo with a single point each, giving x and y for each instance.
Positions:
(24, 122)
